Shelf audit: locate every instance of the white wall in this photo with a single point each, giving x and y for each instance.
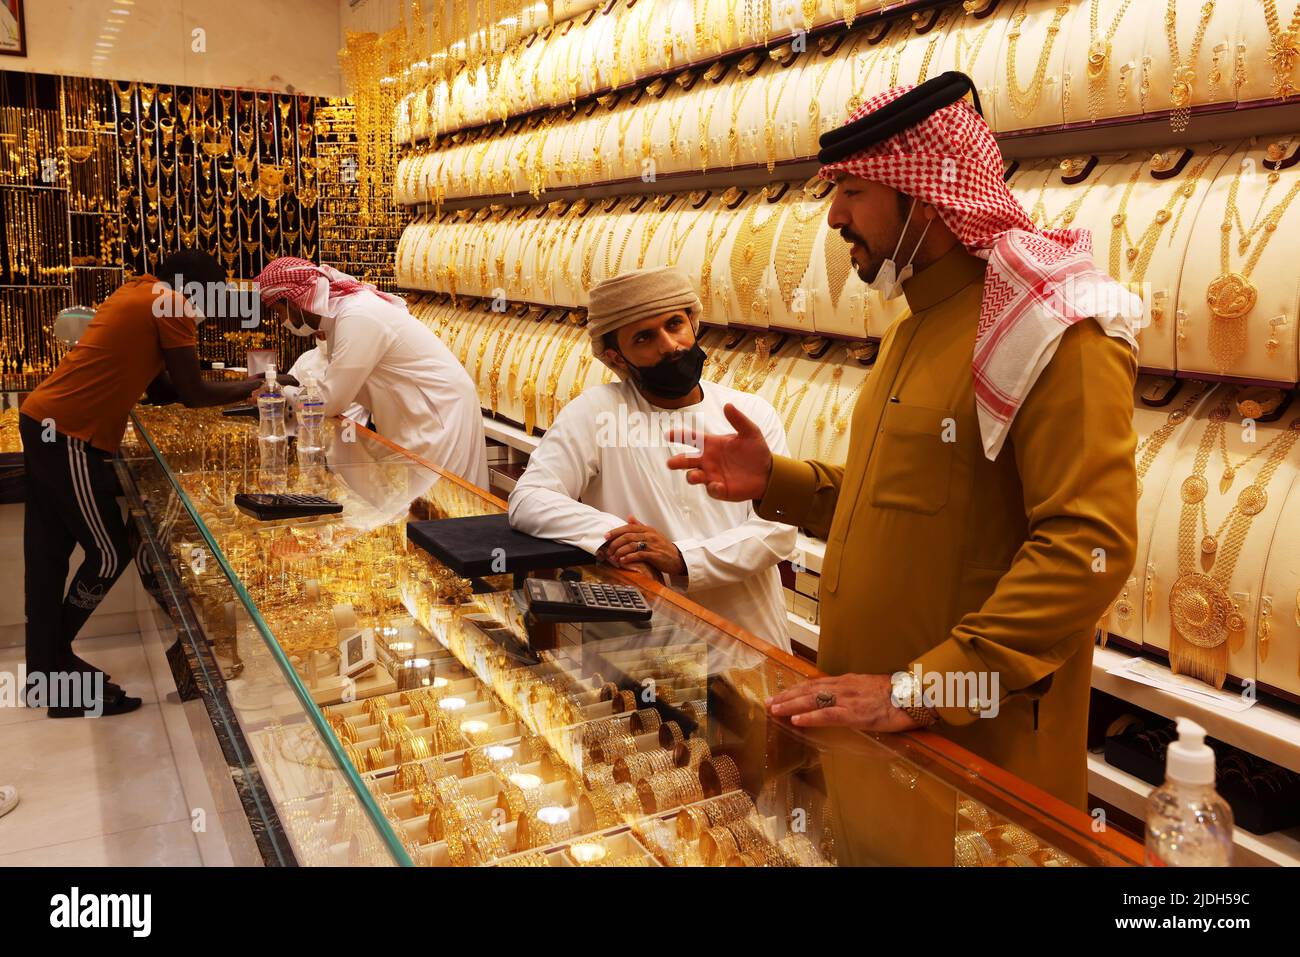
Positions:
(283, 45)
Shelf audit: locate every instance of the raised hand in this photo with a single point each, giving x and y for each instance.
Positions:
(733, 468)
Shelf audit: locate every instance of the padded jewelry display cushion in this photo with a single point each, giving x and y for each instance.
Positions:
(482, 545)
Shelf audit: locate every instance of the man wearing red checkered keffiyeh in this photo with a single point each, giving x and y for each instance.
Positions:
(986, 516)
(383, 358)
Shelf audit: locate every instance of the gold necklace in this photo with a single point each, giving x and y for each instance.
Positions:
(1099, 57)
(1138, 254)
(839, 263)
(1283, 49)
(814, 105)
(557, 367)
(1232, 296)
(965, 61)
(1184, 73)
(769, 127)
(750, 255)
(711, 247)
(796, 240)
(1066, 216)
(789, 406)
(1201, 608)
(1149, 448)
(1025, 100)
(528, 392)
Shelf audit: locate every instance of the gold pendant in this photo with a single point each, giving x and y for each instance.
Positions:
(1181, 94)
(1231, 296)
(1209, 546)
(1193, 489)
(1252, 500)
(1098, 55)
(1199, 607)
(1225, 481)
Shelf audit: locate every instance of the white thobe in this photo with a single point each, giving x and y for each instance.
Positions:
(312, 363)
(420, 396)
(605, 458)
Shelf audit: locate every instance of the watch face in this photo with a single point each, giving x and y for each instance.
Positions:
(902, 689)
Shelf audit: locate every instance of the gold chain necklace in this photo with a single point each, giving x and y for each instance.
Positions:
(1232, 296)
(749, 257)
(1201, 607)
(1099, 57)
(1184, 73)
(796, 240)
(789, 406)
(1283, 49)
(1138, 254)
(1066, 216)
(1150, 447)
(1025, 100)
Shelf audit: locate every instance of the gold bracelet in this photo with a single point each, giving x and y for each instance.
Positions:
(408, 775)
(747, 836)
(375, 758)
(691, 753)
(537, 831)
(718, 775)
(624, 701)
(717, 845)
(670, 735)
(645, 720)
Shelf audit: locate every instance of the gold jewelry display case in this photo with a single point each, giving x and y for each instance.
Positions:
(476, 736)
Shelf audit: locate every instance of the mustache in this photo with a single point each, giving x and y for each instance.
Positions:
(849, 236)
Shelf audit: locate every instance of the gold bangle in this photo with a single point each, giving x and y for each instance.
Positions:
(536, 832)
(691, 822)
(624, 701)
(645, 720)
(717, 845)
(670, 735)
(375, 707)
(747, 836)
(374, 758)
(408, 775)
(729, 807)
(423, 797)
(691, 753)
(718, 775)
(616, 747)
(598, 775)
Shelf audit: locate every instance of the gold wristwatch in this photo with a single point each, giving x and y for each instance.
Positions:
(905, 694)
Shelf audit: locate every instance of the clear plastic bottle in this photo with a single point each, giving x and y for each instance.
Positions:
(1188, 823)
(272, 442)
(311, 417)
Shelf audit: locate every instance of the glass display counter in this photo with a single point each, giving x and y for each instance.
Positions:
(382, 709)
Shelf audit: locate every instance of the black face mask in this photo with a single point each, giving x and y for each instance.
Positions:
(675, 376)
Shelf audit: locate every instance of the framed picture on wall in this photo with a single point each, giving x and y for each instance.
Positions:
(13, 29)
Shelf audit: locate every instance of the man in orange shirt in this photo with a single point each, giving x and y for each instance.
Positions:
(71, 426)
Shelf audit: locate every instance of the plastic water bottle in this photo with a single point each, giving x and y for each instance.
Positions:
(271, 439)
(1188, 823)
(311, 417)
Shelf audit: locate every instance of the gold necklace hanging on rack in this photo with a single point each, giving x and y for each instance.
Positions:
(1232, 296)
(1099, 48)
(1283, 49)
(1149, 448)
(1025, 100)
(749, 256)
(1184, 71)
(1202, 610)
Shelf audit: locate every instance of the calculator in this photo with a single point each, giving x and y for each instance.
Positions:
(268, 507)
(551, 600)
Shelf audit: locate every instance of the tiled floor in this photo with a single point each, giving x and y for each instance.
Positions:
(97, 791)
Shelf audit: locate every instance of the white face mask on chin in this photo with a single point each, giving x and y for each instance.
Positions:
(888, 281)
(302, 331)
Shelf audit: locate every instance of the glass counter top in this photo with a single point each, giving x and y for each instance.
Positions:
(469, 734)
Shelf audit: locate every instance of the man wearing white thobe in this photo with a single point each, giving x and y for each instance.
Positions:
(381, 356)
(597, 480)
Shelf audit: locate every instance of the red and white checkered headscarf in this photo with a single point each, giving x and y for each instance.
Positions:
(317, 289)
(1038, 282)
